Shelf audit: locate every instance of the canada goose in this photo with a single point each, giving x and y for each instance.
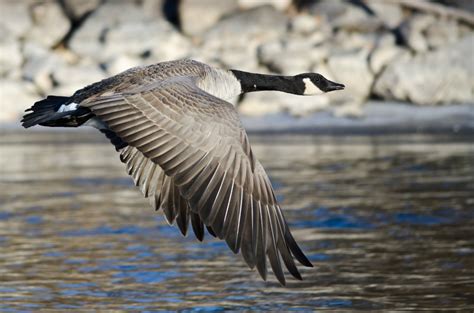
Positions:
(187, 151)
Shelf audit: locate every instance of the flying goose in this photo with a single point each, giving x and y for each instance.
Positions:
(185, 148)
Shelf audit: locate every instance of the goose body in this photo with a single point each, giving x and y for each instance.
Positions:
(185, 148)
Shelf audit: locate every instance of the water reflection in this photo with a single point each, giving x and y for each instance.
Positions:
(387, 221)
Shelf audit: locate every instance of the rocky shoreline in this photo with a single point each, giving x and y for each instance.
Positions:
(384, 50)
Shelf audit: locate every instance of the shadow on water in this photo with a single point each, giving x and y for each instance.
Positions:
(387, 221)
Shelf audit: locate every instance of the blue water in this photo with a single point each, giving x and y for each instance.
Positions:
(387, 221)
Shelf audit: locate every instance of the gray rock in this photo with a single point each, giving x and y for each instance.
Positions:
(442, 33)
(155, 37)
(390, 14)
(244, 59)
(294, 54)
(153, 8)
(15, 97)
(384, 52)
(263, 22)
(118, 28)
(50, 24)
(77, 9)
(350, 41)
(462, 4)
(15, 17)
(304, 24)
(39, 64)
(413, 30)
(10, 56)
(384, 55)
(261, 103)
(343, 15)
(123, 62)
(197, 16)
(234, 40)
(89, 39)
(277, 4)
(351, 69)
(342, 103)
(72, 77)
(442, 76)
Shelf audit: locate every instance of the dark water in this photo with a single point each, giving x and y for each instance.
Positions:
(387, 221)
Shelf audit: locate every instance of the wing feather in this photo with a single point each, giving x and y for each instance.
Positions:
(189, 153)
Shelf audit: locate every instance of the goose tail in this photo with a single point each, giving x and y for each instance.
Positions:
(54, 111)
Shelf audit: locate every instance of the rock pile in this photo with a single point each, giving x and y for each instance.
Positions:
(379, 49)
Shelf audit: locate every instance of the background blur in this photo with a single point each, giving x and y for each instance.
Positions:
(420, 52)
(376, 182)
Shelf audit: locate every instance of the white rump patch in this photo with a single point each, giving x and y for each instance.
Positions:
(310, 89)
(69, 107)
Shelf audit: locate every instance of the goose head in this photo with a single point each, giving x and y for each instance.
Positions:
(316, 84)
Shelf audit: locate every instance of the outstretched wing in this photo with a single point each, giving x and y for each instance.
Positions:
(199, 143)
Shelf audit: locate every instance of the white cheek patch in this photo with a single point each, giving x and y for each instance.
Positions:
(69, 107)
(310, 89)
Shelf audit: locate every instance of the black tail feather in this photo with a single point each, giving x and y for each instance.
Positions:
(44, 111)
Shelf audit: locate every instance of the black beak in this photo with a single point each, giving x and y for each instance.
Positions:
(332, 86)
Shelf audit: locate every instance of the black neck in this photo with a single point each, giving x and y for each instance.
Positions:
(258, 82)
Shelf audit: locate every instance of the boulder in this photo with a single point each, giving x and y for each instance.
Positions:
(15, 97)
(50, 24)
(384, 55)
(413, 31)
(114, 30)
(197, 16)
(278, 4)
(304, 24)
(462, 4)
(123, 62)
(352, 69)
(385, 52)
(71, 77)
(350, 41)
(442, 76)
(443, 32)
(10, 56)
(390, 14)
(234, 39)
(88, 40)
(15, 17)
(294, 54)
(344, 15)
(76, 10)
(261, 23)
(152, 37)
(154, 8)
(39, 65)
(345, 102)
(261, 103)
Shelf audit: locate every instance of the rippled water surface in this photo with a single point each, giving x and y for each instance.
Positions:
(387, 221)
